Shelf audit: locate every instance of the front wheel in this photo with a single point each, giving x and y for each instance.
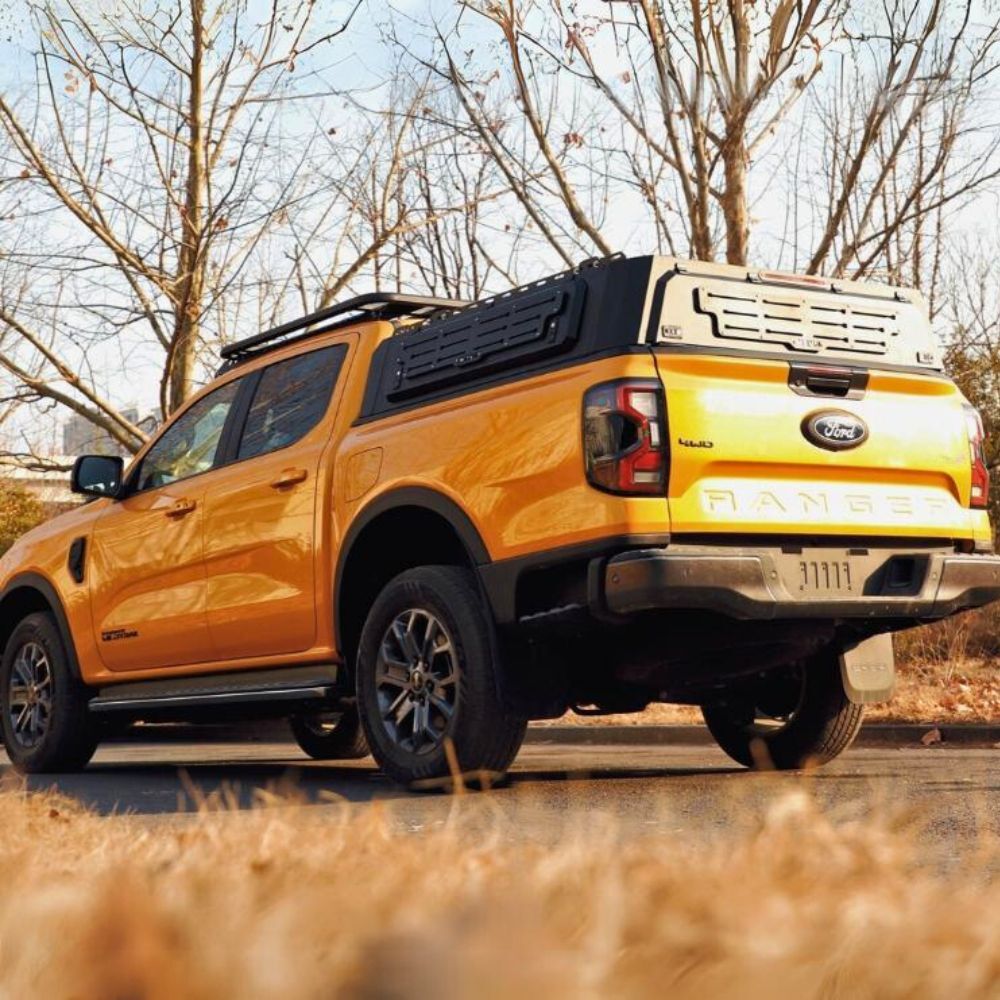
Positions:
(787, 718)
(427, 681)
(44, 718)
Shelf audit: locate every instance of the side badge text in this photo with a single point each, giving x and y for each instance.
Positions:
(119, 633)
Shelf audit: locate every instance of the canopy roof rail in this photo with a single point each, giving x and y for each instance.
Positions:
(373, 305)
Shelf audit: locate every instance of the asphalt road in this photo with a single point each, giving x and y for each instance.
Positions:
(953, 794)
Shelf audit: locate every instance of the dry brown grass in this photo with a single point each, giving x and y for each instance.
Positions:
(953, 691)
(306, 902)
(971, 636)
(950, 671)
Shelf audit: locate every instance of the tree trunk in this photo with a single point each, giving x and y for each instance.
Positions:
(734, 200)
(191, 263)
(733, 149)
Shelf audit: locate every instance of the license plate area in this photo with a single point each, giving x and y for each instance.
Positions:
(821, 577)
(822, 573)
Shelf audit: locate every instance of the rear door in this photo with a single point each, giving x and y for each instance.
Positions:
(147, 572)
(261, 510)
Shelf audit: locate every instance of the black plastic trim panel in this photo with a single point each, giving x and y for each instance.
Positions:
(500, 579)
(278, 684)
(33, 581)
(409, 496)
(418, 496)
(599, 315)
(572, 360)
(229, 444)
(76, 562)
(492, 336)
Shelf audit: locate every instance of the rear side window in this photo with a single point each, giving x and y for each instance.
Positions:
(290, 400)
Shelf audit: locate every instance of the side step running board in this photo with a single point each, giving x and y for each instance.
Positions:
(251, 687)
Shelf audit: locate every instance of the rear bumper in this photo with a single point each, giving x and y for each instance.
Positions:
(751, 583)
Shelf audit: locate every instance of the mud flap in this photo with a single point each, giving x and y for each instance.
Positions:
(868, 670)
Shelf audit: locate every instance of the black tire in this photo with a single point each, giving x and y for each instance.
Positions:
(330, 736)
(401, 659)
(49, 730)
(812, 719)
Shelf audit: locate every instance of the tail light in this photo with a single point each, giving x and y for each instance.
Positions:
(980, 495)
(625, 437)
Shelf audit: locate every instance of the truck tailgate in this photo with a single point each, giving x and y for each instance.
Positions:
(741, 460)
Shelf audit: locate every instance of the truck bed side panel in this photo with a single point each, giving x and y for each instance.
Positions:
(511, 457)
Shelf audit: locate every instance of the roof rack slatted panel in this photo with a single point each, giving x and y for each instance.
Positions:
(497, 333)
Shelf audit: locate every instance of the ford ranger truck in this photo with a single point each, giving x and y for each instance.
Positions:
(410, 525)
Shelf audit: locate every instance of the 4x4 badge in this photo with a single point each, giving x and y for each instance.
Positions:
(835, 430)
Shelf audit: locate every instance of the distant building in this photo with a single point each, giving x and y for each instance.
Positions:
(81, 437)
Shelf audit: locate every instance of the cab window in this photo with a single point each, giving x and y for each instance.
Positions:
(190, 444)
(290, 399)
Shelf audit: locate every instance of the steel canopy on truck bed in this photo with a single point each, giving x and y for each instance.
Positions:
(746, 360)
(617, 304)
(718, 307)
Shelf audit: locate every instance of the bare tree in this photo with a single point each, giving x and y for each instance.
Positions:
(903, 140)
(159, 155)
(467, 254)
(691, 92)
(687, 113)
(969, 321)
(409, 206)
(464, 240)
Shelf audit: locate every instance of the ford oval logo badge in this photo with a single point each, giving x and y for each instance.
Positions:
(836, 430)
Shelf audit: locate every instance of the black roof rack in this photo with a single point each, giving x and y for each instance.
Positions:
(373, 305)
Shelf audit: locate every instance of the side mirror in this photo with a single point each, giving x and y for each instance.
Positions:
(97, 475)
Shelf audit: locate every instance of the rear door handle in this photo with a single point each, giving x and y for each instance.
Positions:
(289, 477)
(181, 507)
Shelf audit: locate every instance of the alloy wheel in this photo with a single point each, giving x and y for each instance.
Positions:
(29, 698)
(416, 681)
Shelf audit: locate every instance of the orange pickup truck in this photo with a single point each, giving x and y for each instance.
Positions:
(410, 525)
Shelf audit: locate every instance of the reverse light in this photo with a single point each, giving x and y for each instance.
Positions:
(980, 494)
(625, 438)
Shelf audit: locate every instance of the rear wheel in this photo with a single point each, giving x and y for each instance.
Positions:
(43, 707)
(427, 681)
(787, 718)
(330, 735)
